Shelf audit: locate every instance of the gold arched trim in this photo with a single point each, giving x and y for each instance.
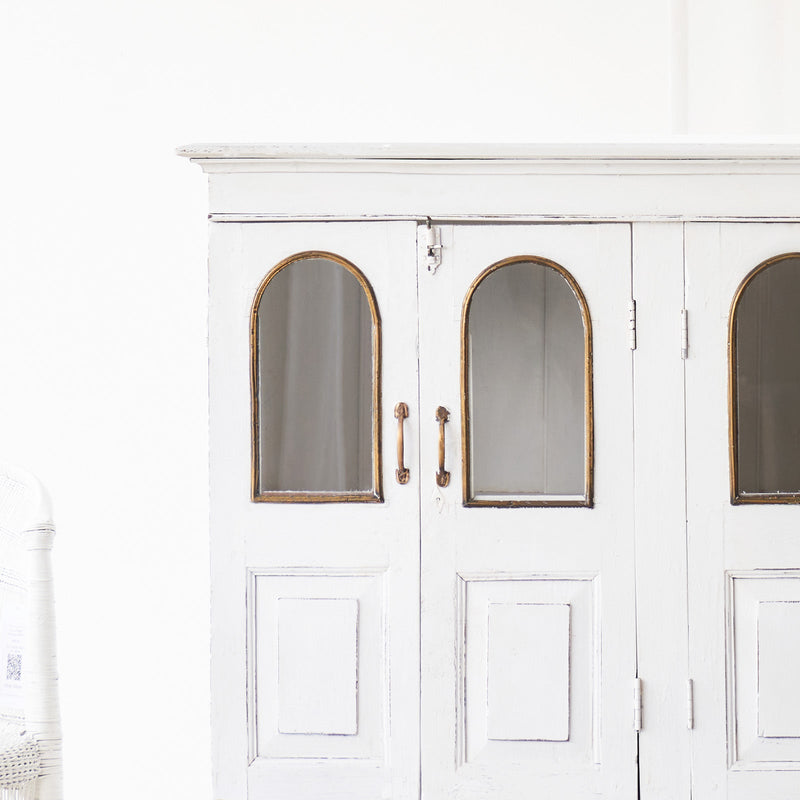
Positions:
(588, 498)
(737, 497)
(374, 496)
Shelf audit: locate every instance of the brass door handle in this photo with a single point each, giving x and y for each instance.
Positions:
(401, 473)
(442, 476)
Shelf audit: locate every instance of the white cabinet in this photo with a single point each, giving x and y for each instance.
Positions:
(474, 432)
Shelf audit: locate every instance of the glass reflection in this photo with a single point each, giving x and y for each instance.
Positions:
(768, 380)
(314, 338)
(526, 385)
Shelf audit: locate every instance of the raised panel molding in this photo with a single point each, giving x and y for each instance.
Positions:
(763, 655)
(529, 670)
(778, 661)
(318, 666)
(317, 672)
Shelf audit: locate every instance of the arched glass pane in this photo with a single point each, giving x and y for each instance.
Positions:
(315, 391)
(767, 380)
(526, 377)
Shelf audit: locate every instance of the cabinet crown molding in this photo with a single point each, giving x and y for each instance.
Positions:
(270, 156)
(673, 181)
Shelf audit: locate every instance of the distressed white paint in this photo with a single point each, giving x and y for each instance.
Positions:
(736, 554)
(554, 543)
(660, 510)
(328, 696)
(317, 666)
(659, 542)
(592, 157)
(579, 182)
(761, 694)
(528, 672)
(477, 593)
(778, 661)
(267, 551)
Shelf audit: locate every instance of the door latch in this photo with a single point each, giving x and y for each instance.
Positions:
(434, 247)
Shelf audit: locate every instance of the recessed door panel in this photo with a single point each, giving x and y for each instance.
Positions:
(529, 664)
(321, 681)
(761, 666)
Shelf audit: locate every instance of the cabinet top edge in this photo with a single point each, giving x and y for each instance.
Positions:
(784, 150)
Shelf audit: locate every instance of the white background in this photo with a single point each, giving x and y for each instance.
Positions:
(103, 253)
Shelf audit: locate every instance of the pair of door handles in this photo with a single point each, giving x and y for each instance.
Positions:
(402, 473)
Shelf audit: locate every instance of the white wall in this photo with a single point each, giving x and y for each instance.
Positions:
(102, 260)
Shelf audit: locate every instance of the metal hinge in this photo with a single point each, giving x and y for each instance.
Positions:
(637, 704)
(690, 704)
(434, 247)
(632, 324)
(684, 334)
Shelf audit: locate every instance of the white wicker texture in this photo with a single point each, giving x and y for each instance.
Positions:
(20, 762)
(30, 727)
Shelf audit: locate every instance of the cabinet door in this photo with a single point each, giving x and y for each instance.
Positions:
(528, 599)
(743, 451)
(314, 544)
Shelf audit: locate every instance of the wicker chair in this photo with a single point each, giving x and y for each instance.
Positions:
(30, 727)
